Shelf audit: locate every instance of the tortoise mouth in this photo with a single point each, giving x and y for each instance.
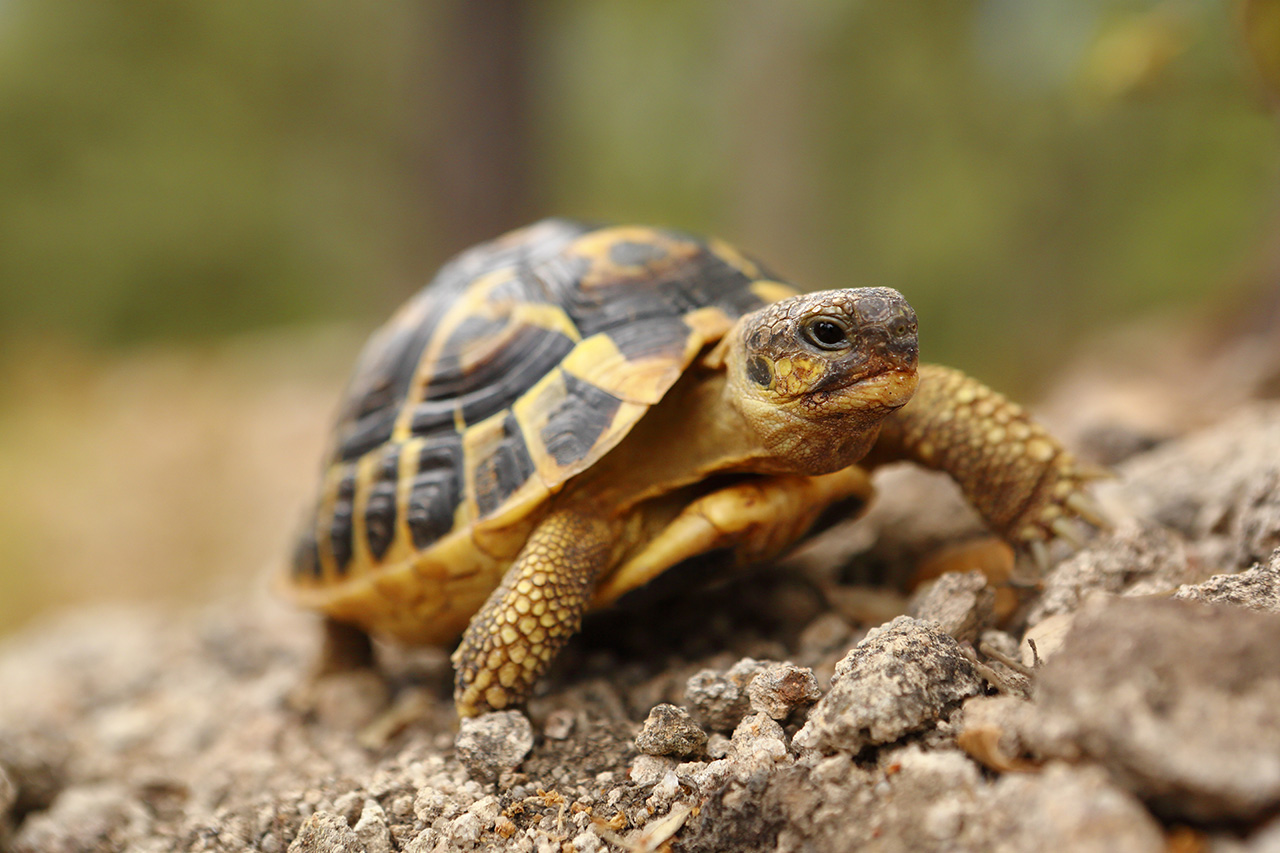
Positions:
(885, 390)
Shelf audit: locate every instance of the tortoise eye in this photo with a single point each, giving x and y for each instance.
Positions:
(826, 333)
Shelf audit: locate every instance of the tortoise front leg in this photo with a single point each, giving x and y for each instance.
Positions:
(1022, 481)
(513, 638)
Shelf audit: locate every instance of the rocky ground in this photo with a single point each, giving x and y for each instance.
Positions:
(899, 685)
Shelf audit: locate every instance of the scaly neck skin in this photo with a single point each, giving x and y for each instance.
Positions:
(701, 427)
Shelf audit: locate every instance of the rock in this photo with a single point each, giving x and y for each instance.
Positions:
(1134, 559)
(1043, 639)
(903, 677)
(648, 770)
(1176, 699)
(587, 842)
(718, 699)
(757, 739)
(325, 832)
(912, 800)
(1257, 589)
(492, 743)
(559, 724)
(102, 816)
(1218, 487)
(670, 730)
(371, 828)
(1063, 808)
(959, 603)
(781, 688)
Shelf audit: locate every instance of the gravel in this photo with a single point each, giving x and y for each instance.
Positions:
(1148, 724)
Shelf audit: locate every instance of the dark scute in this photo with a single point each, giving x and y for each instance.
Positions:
(578, 420)
(306, 558)
(759, 371)
(386, 367)
(436, 490)
(529, 354)
(703, 280)
(653, 337)
(340, 526)
(380, 508)
(506, 469)
(364, 435)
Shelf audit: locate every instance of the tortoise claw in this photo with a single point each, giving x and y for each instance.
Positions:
(1064, 529)
(1040, 555)
(1089, 510)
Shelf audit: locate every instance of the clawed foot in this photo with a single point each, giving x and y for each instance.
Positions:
(1063, 510)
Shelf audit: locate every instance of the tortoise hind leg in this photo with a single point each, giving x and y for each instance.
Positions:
(344, 648)
(513, 638)
(758, 519)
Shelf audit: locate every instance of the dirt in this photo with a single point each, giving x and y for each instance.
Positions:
(797, 708)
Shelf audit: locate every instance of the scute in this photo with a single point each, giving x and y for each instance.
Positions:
(391, 358)
(523, 362)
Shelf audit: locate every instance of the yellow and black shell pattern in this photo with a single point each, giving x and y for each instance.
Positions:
(521, 364)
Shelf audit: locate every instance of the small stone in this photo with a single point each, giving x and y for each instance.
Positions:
(559, 724)
(720, 700)
(649, 769)
(1257, 589)
(903, 677)
(666, 789)
(959, 603)
(825, 634)
(670, 730)
(587, 842)
(492, 743)
(372, 830)
(464, 830)
(487, 808)
(781, 688)
(759, 738)
(429, 804)
(326, 832)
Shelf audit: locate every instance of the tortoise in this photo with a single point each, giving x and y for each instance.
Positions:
(569, 410)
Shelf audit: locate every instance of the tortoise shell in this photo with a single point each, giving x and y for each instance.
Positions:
(520, 365)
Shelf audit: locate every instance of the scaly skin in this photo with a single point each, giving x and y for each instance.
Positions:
(1019, 478)
(538, 606)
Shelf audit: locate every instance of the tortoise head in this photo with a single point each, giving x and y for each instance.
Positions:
(815, 375)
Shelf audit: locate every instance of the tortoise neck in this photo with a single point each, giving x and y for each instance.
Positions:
(693, 432)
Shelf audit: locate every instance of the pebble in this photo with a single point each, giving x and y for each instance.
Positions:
(559, 724)
(903, 677)
(326, 832)
(492, 743)
(649, 769)
(670, 730)
(720, 699)
(781, 688)
(372, 830)
(959, 603)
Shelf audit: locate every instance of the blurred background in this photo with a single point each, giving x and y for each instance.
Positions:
(205, 207)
